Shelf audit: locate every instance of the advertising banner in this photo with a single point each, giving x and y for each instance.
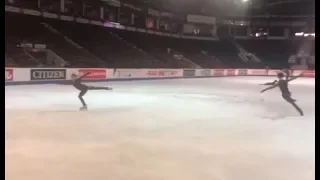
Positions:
(8, 76)
(218, 72)
(308, 74)
(242, 72)
(129, 73)
(258, 72)
(203, 72)
(94, 73)
(189, 73)
(231, 72)
(47, 74)
(273, 72)
(296, 72)
(162, 73)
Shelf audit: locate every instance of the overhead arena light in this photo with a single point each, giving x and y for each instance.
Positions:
(305, 34)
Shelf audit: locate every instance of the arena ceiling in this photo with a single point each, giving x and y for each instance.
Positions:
(237, 7)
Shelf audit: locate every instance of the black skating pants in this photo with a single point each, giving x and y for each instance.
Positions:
(85, 89)
(288, 98)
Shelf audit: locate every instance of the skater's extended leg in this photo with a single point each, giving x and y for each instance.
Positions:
(288, 98)
(297, 108)
(98, 88)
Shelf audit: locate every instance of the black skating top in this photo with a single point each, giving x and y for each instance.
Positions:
(77, 83)
(283, 86)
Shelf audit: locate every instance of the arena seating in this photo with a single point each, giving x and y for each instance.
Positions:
(83, 45)
(30, 30)
(106, 45)
(165, 47)
(277, 52)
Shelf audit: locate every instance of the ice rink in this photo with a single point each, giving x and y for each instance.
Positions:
(186, 129)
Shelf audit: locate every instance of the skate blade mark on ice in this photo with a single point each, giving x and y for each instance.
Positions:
(282, 111)
(289, 116)
(298, 117)
(232, 99)
(91, 110)
(280, 117)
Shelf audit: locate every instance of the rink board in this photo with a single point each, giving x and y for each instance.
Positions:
(28, 76)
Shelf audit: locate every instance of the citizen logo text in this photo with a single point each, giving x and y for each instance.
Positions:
(48, 74)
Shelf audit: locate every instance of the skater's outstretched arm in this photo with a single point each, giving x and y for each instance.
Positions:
(293, 78)
(271, 87)
(270, 83)
(76, 79)
(84, 75)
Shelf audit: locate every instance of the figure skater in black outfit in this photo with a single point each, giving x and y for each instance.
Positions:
(283, 86)
(285, 71)
(84, 88)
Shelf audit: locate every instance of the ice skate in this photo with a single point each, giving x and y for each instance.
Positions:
(84, 108)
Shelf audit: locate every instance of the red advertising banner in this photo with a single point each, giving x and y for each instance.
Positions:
(273, 72)
(152, 73)
(259, 72)
(218, 72)
(8, 75)
(162, 73)
(231, 72)
(308, 74)
(94, 73)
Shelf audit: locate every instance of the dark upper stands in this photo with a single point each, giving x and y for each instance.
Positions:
(83, 45)
(102, 41)
(275, 52)
(30, 30)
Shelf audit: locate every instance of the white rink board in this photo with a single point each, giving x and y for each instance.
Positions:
(16, 76)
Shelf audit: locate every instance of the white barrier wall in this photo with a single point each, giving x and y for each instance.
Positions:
(54, 75)
(143, 73)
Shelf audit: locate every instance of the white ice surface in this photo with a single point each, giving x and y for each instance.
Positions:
(195, 129)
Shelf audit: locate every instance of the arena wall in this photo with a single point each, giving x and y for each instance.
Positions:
(24, 76)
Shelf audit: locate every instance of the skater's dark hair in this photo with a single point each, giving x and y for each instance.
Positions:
(280, 75)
